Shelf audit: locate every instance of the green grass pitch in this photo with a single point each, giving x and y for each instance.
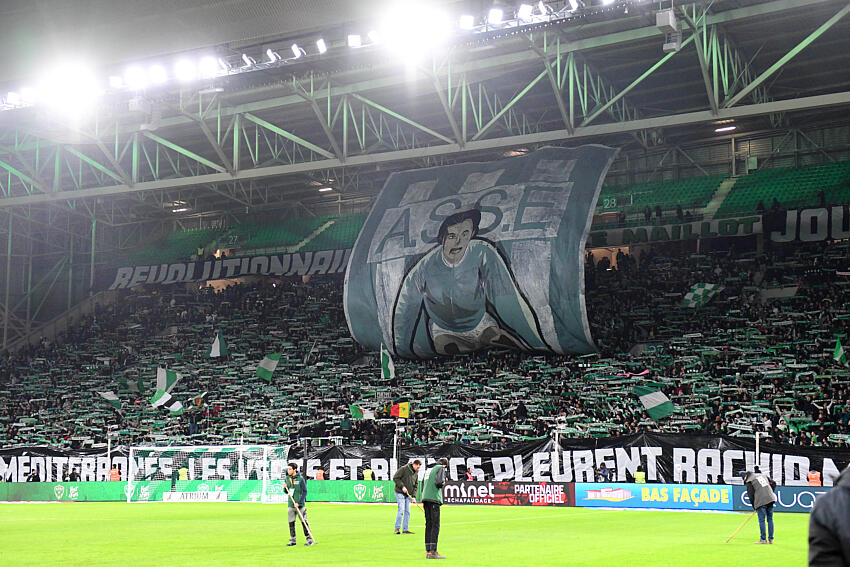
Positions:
(233, 535)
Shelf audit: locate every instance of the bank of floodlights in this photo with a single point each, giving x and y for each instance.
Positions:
(417, 30)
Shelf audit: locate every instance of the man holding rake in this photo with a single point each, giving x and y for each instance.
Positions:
(296, 489)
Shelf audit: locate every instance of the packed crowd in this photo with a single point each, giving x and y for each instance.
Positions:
(757, 357)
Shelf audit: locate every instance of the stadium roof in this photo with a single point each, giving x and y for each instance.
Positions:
(271, 137)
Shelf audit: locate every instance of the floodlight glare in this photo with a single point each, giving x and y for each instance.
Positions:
(495, 16)
(13, 98)
(374, 36)
(185, 71)
(69, 87)
(467, 22)
(415, 30)
(135, 78)
(725, 129)
(296, 51)
(116, 82)
(524, 12)
(157, 74)
(208, 67)
(28, 95)
(354, 40)
(321, 46)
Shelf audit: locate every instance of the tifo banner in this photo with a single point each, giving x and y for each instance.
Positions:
(665, 458)
(294, 264)
(509, 493)
(16, 463)
(459, 258)
(745, 226)
(788, 498)
(804, 225)
(629, 495)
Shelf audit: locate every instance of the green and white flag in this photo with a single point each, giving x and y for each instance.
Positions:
(136, 385)
(656, 403)
(358, 412)
(839, 355)
(387, 366)
(110, 397)
(167, 379)
(700, 294)
(161, 398)
(219, 347)
(267, 367)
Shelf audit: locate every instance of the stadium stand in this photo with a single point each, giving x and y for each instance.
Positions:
(176, 246)
(792, 187)
(283, 234)
(716, 366)
(690, 193)
(341, 234)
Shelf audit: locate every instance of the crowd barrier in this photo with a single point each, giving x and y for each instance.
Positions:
(504, 493)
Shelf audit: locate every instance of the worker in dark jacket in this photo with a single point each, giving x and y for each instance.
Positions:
(432, 499)
(829, 526)
(405, 480)
(762, 499)
(296, 489)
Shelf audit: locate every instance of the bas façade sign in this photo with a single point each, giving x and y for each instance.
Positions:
(804, 225)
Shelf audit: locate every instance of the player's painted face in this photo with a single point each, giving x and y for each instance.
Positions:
(456, 240)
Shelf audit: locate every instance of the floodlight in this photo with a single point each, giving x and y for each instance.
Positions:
(325, 189)
(135, 78)
(185, 70)
(13, 98)
(157, 74)
(495, 16)
(607, 2)
(354, 40)
(725, 129)
(544, 9)
(70, 87)
(224, 65)
(208, 67)
(321, 46)
(524, 12)
(116, 82)
(467, 22)
(249, 61)
(297, 51)
(273, 55)
(573, 5)
(180, 210)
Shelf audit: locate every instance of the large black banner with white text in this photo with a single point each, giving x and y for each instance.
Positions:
(667, 458)
(293, 264)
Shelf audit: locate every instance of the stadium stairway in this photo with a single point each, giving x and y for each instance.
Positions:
(322, 228)
(719, 196)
